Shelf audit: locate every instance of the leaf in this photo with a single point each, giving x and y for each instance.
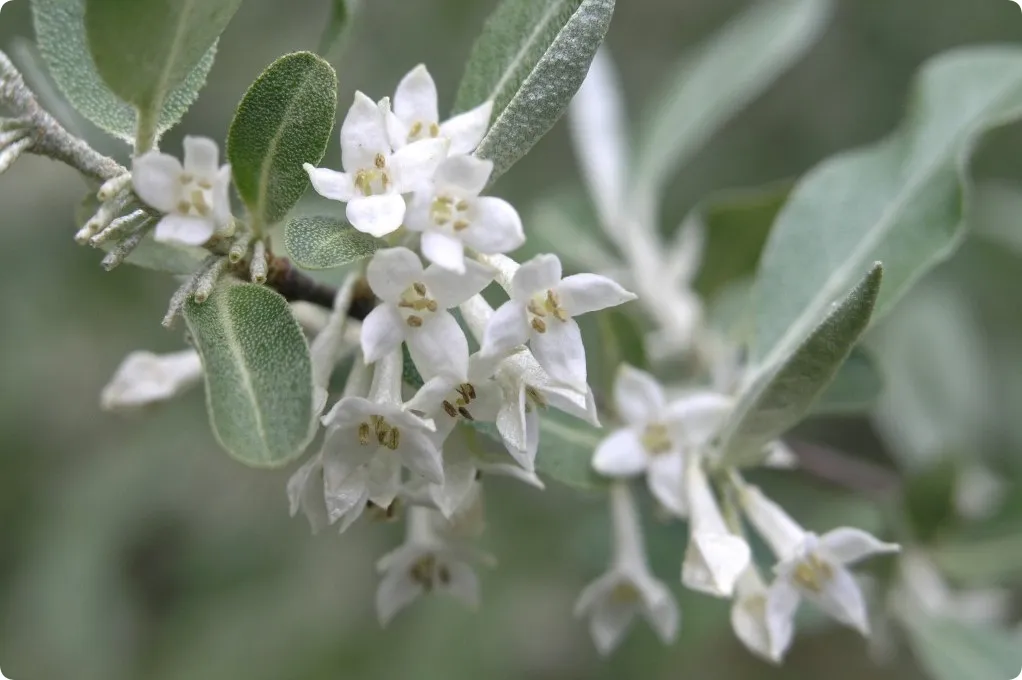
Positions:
(719, 79)
(566, 447)
(952, 650)
(855, 389)
(144, 50)
(326, 242)
(258, 373)
(530, 60)
(899, 202)
(988, 561)
(777, 396)
(336, 30)
(996, 213)
(60, 32)
(283, 121)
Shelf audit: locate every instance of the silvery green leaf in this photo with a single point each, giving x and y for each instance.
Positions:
(336, 30)
(996, 213)
(562, 224)
(326, 242)
(984, 561)
(778, 395)
(283, 121)
(60, 32)
(145, 50)
(566, 447)
(953, 650)
(718, 79)
(258, 373)
(899, 202)
(855, 389)
(530, 60)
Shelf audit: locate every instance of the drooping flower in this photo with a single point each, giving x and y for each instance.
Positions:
(414, 310)
(193, 196)
(144, 378)
(750, 622)
(658, 436)
(451, 214)
(541, 311)
(375, 176)
(416, 117)
(628, 589)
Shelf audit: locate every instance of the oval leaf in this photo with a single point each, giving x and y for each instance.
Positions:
(60, 32)
(326, 242)
(258, 373)
(777, 396)
(144, 50)
(530, 60)
(898, 202)
(566, 447)
(283, 121)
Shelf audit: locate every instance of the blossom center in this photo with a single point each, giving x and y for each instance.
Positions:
(427, 572)
(625, 592)
(656, 439)
(416, 305)
(196, 197)
(462, 398)
(447, 211)
(374, 180)
(542, 308)
(813, 573)
(377, 428)
(422, 130)
(533, 399)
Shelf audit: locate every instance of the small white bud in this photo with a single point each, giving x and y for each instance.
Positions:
(258, 268)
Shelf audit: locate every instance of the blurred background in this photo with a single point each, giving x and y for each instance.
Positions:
(134, 548)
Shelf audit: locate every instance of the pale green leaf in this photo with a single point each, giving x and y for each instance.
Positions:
(60, 32)
(996, 213)
(337, 27)
(326, 242)
(899, 202)
(530, 60)
(283, 121)
(855, 389)
(258, 373)
(953, 650)
(566, 447)
(144, 50)
(987, 561)
(777, 396)
(721, 77)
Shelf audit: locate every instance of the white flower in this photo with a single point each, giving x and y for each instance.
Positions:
(612, 601)
(540, 311)
(811, 566)
(414, 310)
(715, 557)
(657, 436)
(447, 399)
(415, 116)
(145, 378)
(451, 215)
(375, 176)
(194, 197)
(427, 561)
(749, 619)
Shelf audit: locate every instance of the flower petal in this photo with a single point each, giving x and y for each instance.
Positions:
(439, 347)
(156, 178)
(396, 591)
(443, 250)
(415, 100)
(541, 273)
(376, 215)
(392, 271)
(695, 418)
(559, 350)
(450, 289)
(201, 156)
(337, 186)
(842, 599)
(748, 618)
(462, 176)
(344, 489)
(363, 135)
(384, 477)
(713, 562)
(305, 491)
(638, 397)
(620, 455)
(666, 479)
(582, 293)
(418, 454)
(382, 332)
(848, 545)
(184, 229)
(609, 621)
(660, 609)
(781, 604)
(145, 378)
(413, 166)
(221, 196)
(494, 226)
(467, 129)
(508, 328)
(463, 584)
(594, 592)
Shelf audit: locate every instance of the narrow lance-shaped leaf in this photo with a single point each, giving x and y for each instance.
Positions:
(60, 32)
(899, 202)
(530, 60)
(777, 396)
(283, 121)
(953, 650)
(144, 50)
(336, 30)
(326, 242)
(258, 373)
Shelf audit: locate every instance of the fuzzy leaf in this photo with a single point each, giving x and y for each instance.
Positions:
(777, 396)
(953, 650)
(258, 373)
(899, 202)
(283, 121)
(60, 32)
(566, 447)
(326, 242)
(530, 60)
(337, 26)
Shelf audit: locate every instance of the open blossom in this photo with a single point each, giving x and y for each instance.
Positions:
(541, 311)
(811, 566)
(145, 378)
(448, 399)
(749, 619)
(658, 435)
(375, 176)
(193, 196)
(414, 311)
(628, 589)
(415, 116)
(451, 214)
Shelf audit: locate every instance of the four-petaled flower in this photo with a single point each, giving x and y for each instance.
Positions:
(194, 197)
(541, 311)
